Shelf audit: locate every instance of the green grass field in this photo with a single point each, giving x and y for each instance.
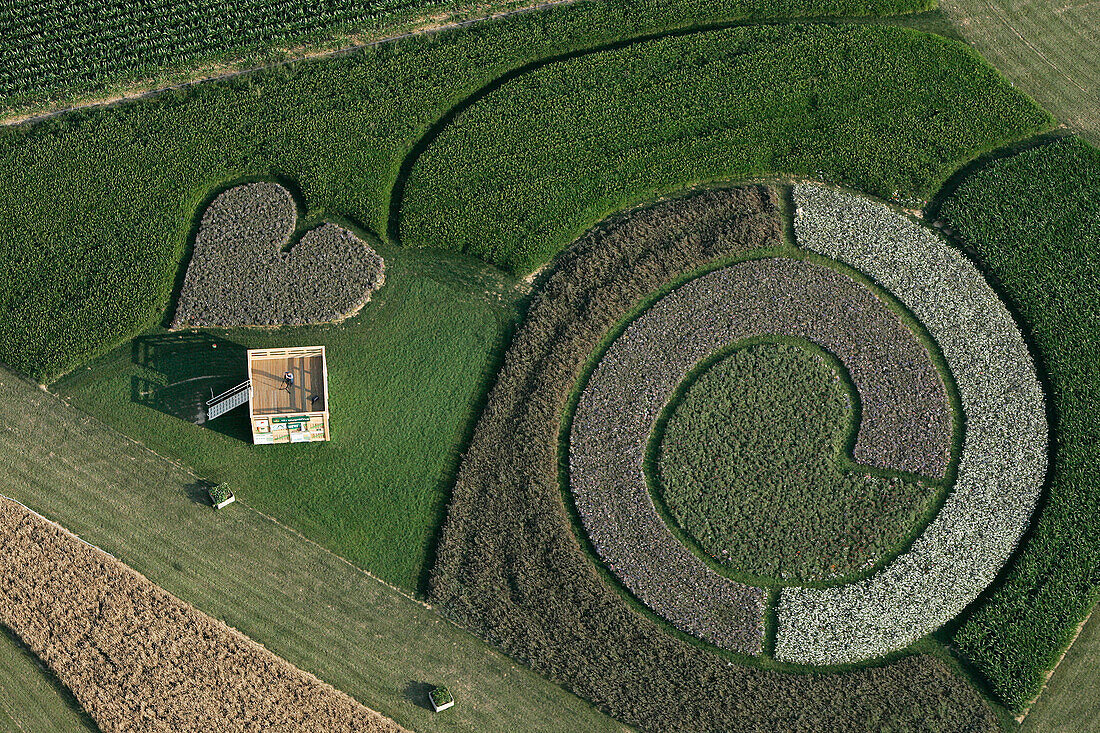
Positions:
(753, 464)
(31, 698)
(299, 600)
(87, 264)
(1051, 50)
(1071, 701)
(405, 379)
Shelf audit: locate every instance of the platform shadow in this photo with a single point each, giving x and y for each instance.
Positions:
(182, 371)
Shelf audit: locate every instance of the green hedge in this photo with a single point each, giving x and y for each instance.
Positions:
(1034, 220)
(524, 170)
(97, 208)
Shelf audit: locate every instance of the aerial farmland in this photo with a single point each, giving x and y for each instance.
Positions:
(565, 367)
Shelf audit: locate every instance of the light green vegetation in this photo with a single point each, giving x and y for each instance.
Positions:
(1049, 48)
(97, 209)
(297, 599)
(31, 698)
(753, 465)
(1071, 701)
(405, 380)
(530, 165)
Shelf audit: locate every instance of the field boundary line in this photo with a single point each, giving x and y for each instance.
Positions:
(1050, 672)
(89, 419)
(64, 529)
(428, 28)
(1004, 19)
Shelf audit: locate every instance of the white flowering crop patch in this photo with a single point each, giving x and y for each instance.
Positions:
(906, 422)
(1003, 458)
(240, 274)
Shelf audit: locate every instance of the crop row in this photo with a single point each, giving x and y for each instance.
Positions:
(240, 274)
(907, 424)
(1003, 459)
(510, 567)
(753, 467)
(884, 109)
(57, 47)
(83, 268)
(138, 658)
(1034, 220)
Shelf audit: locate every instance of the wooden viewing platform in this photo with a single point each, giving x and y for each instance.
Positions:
(288, 410)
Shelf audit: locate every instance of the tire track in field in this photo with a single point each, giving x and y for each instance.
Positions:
(429, 26)
(1050, 51)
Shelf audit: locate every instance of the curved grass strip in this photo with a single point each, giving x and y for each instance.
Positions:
(1032, 219)
(1003, 459)
(138, 658)
(907, 424)
(510, 567)
(241, 273)
(753, 465)
(531, 164)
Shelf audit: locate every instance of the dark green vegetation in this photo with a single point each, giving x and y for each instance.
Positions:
(56, 48)
(1050, 50)
(31, 698)
(752, 465)
(1071, 700)
(512, 568)
(1034, 220)
(219, 493)
(303, 603)
(405, 376)
(98, 209)
(529, 166)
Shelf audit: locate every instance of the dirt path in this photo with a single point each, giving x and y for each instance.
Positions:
(429, 25)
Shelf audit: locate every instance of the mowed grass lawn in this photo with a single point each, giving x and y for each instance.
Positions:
(1049, 48)
(299, 600)
(31, 698)
(405, 381)
(1071, 701)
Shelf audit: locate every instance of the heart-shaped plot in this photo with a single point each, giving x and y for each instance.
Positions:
(242, 274)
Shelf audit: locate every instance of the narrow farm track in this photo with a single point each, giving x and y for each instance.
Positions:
(1050, 50)
(303, 603)
(432, 25)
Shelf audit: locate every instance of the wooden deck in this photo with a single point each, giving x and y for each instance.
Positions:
(270, 395)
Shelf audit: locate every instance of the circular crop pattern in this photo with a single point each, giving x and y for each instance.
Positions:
(752, 467)
(905, 424)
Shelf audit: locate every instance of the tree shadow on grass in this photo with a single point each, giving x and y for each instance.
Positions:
(417, 694)
(182, 371)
